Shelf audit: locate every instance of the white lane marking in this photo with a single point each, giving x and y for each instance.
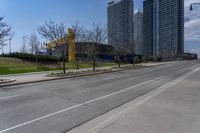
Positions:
(8, 97)
(141, 100)
(76, 106)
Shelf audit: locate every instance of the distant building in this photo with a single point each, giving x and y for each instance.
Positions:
(164, 28)
(120, 22)
(148, 27)
(190, 56)
(138, 32)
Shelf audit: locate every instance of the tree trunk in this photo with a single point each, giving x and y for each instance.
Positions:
(36, 59)
(77, 61)
(94, 63)
(77, 64)
(133, 60)
(58, 63)
(64, 70)
(94, 60)
(64, 60)
(119, 61)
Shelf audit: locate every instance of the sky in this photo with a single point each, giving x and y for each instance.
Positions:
(25, 16)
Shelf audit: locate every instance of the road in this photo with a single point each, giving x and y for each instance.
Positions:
(58, 106)
(41, 76)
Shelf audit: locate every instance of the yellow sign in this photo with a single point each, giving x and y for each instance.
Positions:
(71, 42)
(53, 44)
(71, 45)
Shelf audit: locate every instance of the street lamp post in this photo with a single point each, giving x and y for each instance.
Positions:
(191, 5)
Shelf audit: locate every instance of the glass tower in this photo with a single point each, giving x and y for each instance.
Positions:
(120, 22)
(166, 18)
(138, 32)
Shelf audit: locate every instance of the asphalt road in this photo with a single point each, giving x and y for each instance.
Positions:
(58, 106)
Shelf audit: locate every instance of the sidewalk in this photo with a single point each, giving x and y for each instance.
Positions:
(37, 77)
(173, 108)
(41, 76)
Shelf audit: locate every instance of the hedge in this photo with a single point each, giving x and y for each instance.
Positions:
(32, 57)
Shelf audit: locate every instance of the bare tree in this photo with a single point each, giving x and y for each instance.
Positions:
(57, 35)
(130, 48)
(79, 37)
(96, 36)
(4, 33)
(118, 48)
(79, 32)
(34, 44)
(23, 48)
(2, 47)
(10, 39)
(43, 46)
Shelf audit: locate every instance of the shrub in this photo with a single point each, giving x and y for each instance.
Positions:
(151, 58)
(32, 57)
(158, 58)
(145, 59)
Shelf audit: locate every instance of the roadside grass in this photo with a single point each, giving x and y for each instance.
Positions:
(106, 64)
(73, 65)
(16, 66)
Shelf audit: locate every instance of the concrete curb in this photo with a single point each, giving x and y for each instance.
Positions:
(59, 78)
(74, 76)
(7, 81)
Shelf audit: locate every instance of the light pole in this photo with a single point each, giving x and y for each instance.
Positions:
(191, 5)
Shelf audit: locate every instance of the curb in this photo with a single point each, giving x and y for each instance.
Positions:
(72, 76)
(7, 81)
(65, 77)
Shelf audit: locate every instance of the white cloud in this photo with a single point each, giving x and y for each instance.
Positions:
(188, 2)
(195, 51)
(192, 30)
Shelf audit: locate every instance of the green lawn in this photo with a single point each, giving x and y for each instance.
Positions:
(15, 66)
(106, 64)
(71, 65)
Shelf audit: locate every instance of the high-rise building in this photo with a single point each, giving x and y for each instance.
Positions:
(164, 28)
(148, 27)
(120, 22)
(138, 32)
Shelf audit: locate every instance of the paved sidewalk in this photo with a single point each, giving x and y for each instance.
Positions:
(172, 108)
(34, 77)
(41, 76)
(155, 63)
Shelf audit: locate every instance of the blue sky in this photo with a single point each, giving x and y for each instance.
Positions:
(26, 16)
